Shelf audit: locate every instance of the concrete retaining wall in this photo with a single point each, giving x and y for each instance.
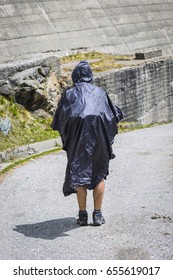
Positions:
(121, 26)
(145, 93)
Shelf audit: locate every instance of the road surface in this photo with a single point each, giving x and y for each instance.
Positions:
(38, 222)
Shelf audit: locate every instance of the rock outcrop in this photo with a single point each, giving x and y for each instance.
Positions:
(32, 82)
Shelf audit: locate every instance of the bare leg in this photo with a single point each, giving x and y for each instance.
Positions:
(98, 194)
(81, 198)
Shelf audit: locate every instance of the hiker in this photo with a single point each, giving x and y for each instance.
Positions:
(87, 122)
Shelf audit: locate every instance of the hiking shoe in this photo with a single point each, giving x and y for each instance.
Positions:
(98, 219)
(83, 218)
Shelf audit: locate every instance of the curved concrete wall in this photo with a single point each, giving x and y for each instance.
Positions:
(121, 26)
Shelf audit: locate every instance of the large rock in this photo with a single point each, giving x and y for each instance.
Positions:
(7, 90)
(32, 83)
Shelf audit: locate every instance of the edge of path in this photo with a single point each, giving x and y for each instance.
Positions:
(13, 157)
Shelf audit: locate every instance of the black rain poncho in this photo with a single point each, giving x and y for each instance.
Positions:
(87, 122)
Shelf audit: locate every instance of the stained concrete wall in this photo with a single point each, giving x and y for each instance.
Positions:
(145, 93)
(121, 26)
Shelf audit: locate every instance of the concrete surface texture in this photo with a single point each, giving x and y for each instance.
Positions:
(143, 92)
(121, 26)
(38, 222)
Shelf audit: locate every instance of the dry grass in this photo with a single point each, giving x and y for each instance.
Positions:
(100, 62)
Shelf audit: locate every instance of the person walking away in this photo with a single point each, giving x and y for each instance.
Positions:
(87, 122)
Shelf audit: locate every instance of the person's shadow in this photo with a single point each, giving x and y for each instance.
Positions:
(48, 229)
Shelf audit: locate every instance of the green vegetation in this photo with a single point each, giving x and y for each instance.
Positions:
(129, 126)
(26, 128)
(99, 62)
(93, 55)
(82, 56)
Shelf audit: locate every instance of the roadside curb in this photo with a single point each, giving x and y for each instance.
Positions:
(10, 156)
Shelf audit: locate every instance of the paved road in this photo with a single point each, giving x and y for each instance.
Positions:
(38, 222)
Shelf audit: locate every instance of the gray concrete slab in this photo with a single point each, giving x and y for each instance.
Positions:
(38, 222)
(41, 26)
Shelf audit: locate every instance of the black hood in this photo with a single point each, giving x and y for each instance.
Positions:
(82, 73)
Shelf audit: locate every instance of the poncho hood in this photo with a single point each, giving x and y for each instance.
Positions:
(82, 73)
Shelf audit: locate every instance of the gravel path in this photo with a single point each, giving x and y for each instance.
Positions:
(38, 222)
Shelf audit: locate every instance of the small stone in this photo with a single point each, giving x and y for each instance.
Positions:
(5, 125)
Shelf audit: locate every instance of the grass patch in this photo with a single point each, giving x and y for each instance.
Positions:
(93, 55)
(81, 56)
(25, 128)
(99, 62)
(129, 126)
(105, 65)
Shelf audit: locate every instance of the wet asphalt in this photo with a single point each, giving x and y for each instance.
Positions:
(39, 223)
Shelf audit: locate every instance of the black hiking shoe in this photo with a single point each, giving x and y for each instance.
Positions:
(98, 219)
(83, 218)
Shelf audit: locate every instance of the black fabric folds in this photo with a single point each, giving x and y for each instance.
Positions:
(87, 122)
